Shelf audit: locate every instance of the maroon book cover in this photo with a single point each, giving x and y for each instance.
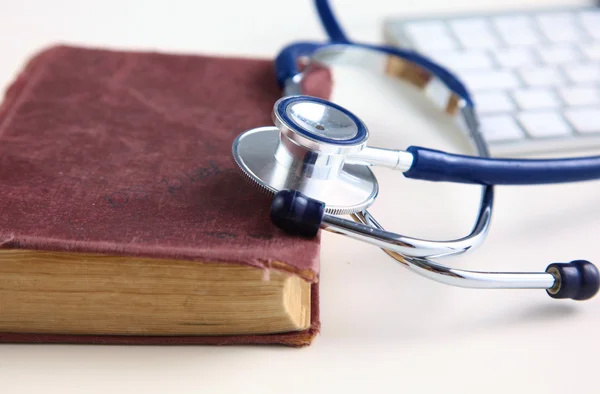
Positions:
(129, 153)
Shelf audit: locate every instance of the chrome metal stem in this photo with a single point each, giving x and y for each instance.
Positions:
(390, 158)
(407, 246)
(414, 247)
(462, 278)
(292, 86)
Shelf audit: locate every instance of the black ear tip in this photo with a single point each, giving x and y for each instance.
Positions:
(297, 214)
(578, 280)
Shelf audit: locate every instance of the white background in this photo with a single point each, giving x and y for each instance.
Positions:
(384, 329)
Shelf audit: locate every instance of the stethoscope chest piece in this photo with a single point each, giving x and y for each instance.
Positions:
(306, 151)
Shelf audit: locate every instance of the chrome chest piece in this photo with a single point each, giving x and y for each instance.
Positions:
(308, 151)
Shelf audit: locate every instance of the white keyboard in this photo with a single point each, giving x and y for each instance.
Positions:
(534, 76)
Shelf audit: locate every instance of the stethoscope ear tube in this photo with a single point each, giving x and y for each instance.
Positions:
(300, 215)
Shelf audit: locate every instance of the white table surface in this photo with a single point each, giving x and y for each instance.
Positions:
(384, 329)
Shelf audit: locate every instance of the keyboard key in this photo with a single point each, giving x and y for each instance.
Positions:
(474, 33)
(430, 36)
(541, 77)
(467, 60)
(536, 98)
(541, 124)
(488, 80)
(584, 120)
(493, 102)
(591, 51)
(591, 23)
(516, 30)
(559, 26)
(534, 75)
(580, 73)
(580, 95)
(558, 54)
(514, 57)
(496, 128)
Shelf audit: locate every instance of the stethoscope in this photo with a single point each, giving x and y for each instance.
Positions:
(315, 160)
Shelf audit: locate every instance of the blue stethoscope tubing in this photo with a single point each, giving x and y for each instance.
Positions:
(434, 165)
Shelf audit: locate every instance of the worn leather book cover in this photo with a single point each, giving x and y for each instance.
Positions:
(129, 154)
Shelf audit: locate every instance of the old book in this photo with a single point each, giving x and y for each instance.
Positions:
(122, 216)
